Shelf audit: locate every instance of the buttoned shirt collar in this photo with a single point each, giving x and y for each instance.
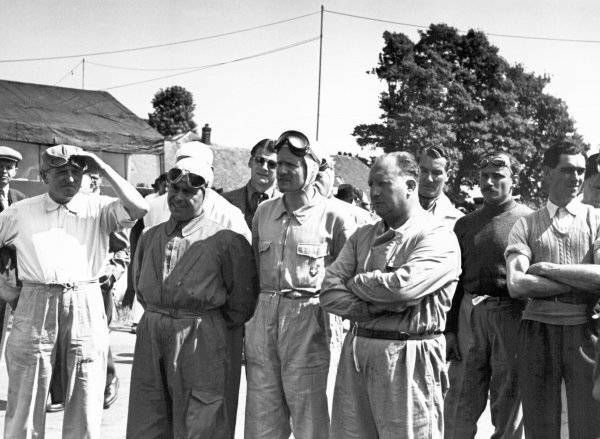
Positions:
(193, 225)
(74, 205)
(301, 214)
(574, 207)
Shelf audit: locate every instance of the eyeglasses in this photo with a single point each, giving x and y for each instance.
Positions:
(498, 161)
(298, 144)
(78, 162)
(260, 161)
(175, 175)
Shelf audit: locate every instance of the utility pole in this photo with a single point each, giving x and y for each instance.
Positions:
(320, 62)
(83, 74)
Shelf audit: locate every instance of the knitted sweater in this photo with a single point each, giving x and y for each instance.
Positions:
(483, 236)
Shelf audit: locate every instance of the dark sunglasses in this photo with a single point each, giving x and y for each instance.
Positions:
(298, 144)
(260, 161)
(76, 161)
(175, 175)
(498, 161)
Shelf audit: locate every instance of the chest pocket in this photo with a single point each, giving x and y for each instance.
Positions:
(311, 264)
(263, 246)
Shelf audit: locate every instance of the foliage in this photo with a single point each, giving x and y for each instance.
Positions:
(173, 111)
(455, 90)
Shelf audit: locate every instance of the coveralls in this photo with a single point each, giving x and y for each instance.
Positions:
(62, 250)
(287, 340)
(390, 282)
(195, 281)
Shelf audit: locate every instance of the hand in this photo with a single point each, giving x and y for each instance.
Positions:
(452, 350)
(94, 163)
(539, 268)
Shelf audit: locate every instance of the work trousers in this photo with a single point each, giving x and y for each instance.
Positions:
(235, 348)
(389, 389)
(178, 378)
(491, 366)
(456, 368)
(53, 320)
(287, 363)
(547, 355)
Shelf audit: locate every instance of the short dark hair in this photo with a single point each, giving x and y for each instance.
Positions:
(438, 152)
(552, 154)
(162, 177)
(267, 144)
(405, 162)
(591, 165)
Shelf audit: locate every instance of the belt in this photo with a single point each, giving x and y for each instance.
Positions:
(392, 335)
(293, 294)
(569, 298)
(64, 285)
(181, 313)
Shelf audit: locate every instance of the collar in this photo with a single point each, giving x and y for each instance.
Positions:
(74, 206)
(414, 218)
(495, 209)
(574, 207)
(5, 189)
(190, 227)
(251, 190)
(303, 213)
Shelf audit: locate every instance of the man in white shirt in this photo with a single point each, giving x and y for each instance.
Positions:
(61, 239)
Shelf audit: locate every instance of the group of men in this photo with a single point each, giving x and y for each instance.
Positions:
(506, 295)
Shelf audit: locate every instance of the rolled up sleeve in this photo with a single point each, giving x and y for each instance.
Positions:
(517, 240)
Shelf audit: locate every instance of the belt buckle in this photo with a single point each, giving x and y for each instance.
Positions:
(353, 328)
(173, 313)
(403, 336)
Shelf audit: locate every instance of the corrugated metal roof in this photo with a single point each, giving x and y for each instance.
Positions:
(94, 120)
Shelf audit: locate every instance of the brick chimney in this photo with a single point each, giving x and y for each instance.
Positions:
(206, 134)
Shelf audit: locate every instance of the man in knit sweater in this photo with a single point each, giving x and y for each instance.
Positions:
(553, 258)
(483, 303)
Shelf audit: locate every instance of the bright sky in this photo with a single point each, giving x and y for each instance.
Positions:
(262, 96)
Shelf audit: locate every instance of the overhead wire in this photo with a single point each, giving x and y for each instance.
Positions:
(196, 69)
(70, 72)
(155, 46)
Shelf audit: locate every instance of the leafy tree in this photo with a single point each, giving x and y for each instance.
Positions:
(173, 111)
(455, 90)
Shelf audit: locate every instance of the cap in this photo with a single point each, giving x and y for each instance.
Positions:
(7, 153)
(59, 155)
(345, 192)
(196, 166)
(591, 166)
(197, 150)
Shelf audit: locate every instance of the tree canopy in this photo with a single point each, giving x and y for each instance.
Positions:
(456, 91)
(173, 111)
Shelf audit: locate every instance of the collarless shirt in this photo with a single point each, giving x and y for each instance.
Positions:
(62, 243)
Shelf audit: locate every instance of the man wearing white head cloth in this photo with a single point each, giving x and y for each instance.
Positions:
(215, 206)
(195, 279)
(295, 237)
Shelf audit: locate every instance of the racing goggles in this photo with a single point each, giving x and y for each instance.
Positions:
(175, 175)
(298, 144)
(77, 161)
(498, 161)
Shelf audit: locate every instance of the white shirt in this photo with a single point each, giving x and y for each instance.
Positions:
(62, 243)
(565, 218)
(215, 206)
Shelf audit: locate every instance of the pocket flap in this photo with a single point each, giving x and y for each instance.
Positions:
(206, 397)
(314, 251)
(263, 246)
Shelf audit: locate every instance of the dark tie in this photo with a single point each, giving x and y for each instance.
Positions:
(256, 199)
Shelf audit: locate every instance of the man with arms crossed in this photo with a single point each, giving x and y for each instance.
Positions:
(552, 259)
(394, 280)
(61, 239)
(494, 316)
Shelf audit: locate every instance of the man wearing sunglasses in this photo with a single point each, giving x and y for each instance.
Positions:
(295, 236)
(483, 305)
(261, 186)
(62, 240)
(394, 281)
(553, 260)
(196, 280)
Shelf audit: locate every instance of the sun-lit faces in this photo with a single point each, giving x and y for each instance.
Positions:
(8, 170)
(185, 201)
(496, 183)
(63, 182)
(433, 176)
(565, 179)
(390, 191)
(291, 171)
(262, 169)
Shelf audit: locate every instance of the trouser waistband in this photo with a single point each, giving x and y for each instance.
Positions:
(66, 285)
(392, 335)
(181, 313)
(292, 294)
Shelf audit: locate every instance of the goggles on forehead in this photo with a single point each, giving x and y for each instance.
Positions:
(298, 144)
(175, 175)
(76, 161)
(260, 161)
(498, 161)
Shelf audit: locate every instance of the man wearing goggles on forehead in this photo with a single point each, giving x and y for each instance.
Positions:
(261, 186)
(481, 333)
(296, 237)
(195, 280)
(553, 260)
(62, 240)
